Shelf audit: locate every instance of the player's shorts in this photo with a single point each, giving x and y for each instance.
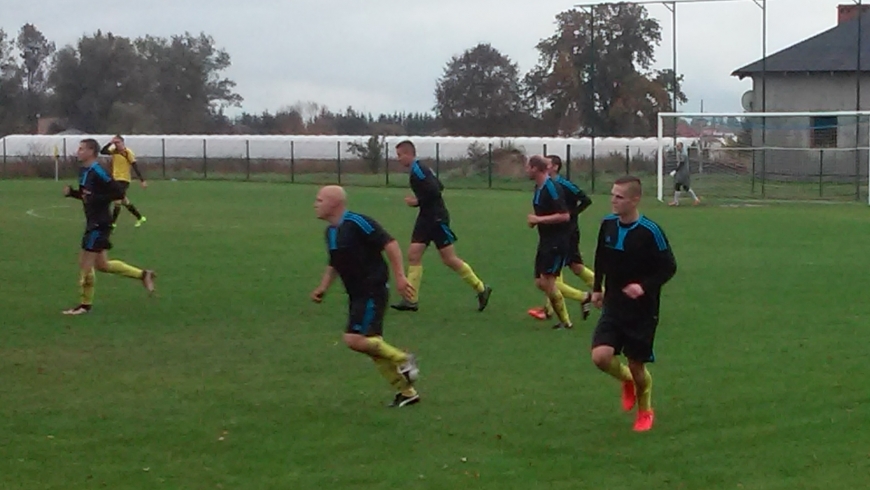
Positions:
(96, 240)
(366, 313)
(124, 186)
(429, 230)
(679, 186)
(632, 337)
(550, 259)
(574, 256)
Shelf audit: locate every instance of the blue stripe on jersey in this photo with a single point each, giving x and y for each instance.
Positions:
(417, 170)
(100, 172)
(568, 185)
(332, 237)
(537, 198)
(551, 187)
(656, 231)
(361, 222)
(84, 179)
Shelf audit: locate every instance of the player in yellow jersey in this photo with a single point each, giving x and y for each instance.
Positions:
(123, 159)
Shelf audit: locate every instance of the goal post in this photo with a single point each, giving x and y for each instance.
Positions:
(767, 155)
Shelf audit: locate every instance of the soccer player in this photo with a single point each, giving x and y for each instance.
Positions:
(552, 219)
(97, 191)
(577, 202)
(356, 244)
(682, 177)
(633, 260)
(432, 225)
(123, 159)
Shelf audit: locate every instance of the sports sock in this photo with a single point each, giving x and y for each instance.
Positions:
(644, 398)
(468, 275)
(135, 212)
(694, 196)
(415, 277)
(558, 302)
(588, 276)
(381, 348)
(115, 212)
(619, 370)
(570, 292)
(388, 370)
(86, 284)
(124, 269)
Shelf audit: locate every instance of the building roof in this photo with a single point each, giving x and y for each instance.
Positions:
(834, 50)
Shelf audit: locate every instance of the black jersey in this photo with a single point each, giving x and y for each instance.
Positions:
(356, 248)
(576, 200)
(427, 188)
(549, 199)
(97, 191)
(629, 253)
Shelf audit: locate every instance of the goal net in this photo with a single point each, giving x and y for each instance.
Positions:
(765, 156)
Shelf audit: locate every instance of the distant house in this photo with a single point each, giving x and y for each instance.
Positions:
(818, 74)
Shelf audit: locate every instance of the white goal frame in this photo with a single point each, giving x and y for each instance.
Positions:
(662, 138)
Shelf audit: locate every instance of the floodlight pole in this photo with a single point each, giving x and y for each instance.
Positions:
(672, 6)
(858, 102)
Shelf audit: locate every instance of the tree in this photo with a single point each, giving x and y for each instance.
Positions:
(600, 83)
(10, 88)
(479, 93)
(36, 52)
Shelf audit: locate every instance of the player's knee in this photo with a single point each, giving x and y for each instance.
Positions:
(602, 357)
(87, 280)
(356, 342)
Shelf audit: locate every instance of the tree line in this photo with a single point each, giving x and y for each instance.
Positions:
(594, 76)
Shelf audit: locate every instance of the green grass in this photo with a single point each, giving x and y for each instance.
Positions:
(759, 381)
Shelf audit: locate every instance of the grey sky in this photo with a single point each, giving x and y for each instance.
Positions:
(385, 55)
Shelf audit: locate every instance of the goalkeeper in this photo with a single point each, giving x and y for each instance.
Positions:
(682, 177)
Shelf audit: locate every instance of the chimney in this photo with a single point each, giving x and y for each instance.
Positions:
(845, 13)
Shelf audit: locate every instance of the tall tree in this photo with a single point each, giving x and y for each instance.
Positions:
(11, 110)
(594, 73)
(479, 93)
(36, 52)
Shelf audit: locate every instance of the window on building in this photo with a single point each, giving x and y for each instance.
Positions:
(824, 133)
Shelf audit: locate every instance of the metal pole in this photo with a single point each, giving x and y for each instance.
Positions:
(163, 155)
(438, 160)
(660, 160)
(387, 161)
(627, 157)
(821, 169)
(858, 103)
(763, 95)
(338, 159)
(568, 162)
(247, 159)
(292, 162)
(4, 157)
(592, 114)
(204, 159)
(489, 167)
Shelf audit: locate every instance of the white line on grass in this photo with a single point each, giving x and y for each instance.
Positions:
(33, 213)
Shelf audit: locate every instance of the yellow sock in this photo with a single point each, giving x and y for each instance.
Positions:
(549, 307)
(559, 307)
(570, 292)
(388, 370)
(644, 398)
(588, 276)
(415, 277)
(619, 370)
(382, 349)
(470, 277)
(123, 269)
(86, 283)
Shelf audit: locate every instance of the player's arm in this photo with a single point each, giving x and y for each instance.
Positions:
(426, 189)
(663, 261)
(328, 276)
(107, 190)
(599, 260)
(556, 208)
(106, 150)
(583, 201)
(375, 235)
(73, 193)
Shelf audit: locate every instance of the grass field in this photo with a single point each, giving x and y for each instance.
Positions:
(232, 379)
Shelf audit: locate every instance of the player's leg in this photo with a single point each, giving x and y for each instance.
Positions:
(86, 281)
(135, 212)
(118, 267)
(676, 201)
(420, 238)
(606, 344)
(570, 292)
(116, 211)
(444, 239)
(639, 351)
(697, 200)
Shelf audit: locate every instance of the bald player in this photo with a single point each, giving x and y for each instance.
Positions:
(356, 244)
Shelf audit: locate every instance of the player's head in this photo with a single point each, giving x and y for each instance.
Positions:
(406, 153)
(536, 166)
(555, 164)
(330, 202)
(118, 141)
(625, 195)
(680, 145)
(88, 149)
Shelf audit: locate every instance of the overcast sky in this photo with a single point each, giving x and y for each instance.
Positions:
(385, 55)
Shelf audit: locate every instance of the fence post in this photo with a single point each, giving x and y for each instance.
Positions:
(627, 160)
(821, 169)
(438, 160)
(162, 156)
(4, 157)
(545, 149)
(489, 167)
(248, 159)
(387, 162)
(338, 159)
(292, 162)
(592, 168)
(204, 159)
(763, 173)
(753, 172)
(65, 158)
(568, 162)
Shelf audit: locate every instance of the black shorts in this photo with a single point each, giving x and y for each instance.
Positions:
(574, 256)
(430, 230)
(679, 186)
(550, 259)
(96, 240)
(632, 337)
(366, 313)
